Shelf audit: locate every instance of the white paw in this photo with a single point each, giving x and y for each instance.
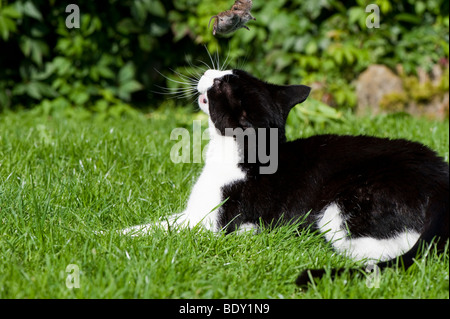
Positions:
(175, 223)
(247, 228)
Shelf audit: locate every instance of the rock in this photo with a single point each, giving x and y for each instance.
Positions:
(373, 84)
(380, 90)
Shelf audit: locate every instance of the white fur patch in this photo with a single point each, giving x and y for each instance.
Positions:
(331, 223)
(333, 226)
(207, 80)
(221, 168)
(247, 228)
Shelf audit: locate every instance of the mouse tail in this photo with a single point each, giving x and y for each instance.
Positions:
(213, 17)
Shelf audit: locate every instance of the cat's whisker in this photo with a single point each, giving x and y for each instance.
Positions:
(215, 61)
(167, 91)
(184, 77)
(195, 71)
(194, 99)
(207, 66)
(172, 80)
(179, 89)
(199, 70)
(189, 78)
(181, 97)
(226, 63)
(179, 93)
(218, 60)
(242, 61)
(211, 59)
(179, 82)
(194, 77)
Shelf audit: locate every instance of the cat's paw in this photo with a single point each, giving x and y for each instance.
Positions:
(173, 223)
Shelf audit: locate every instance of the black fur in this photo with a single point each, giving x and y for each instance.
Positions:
(382, 186)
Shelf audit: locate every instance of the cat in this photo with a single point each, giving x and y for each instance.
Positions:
(374, 199)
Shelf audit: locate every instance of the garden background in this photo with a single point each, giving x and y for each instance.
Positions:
(113, 60)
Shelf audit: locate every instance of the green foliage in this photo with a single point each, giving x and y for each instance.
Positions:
(416, 91)
(113, 57)
(98, 66)
(313, 112)
(328, 43)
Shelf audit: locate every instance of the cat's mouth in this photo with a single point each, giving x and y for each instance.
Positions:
(203, 102)
(202, 99)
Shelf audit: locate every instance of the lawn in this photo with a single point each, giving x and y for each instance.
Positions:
(63, 178)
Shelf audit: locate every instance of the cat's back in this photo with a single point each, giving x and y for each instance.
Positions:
(325, 166)
(336, 152)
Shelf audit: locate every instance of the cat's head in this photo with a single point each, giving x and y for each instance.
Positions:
(235, 99)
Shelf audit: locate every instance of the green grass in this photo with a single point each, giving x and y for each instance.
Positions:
(64, 178)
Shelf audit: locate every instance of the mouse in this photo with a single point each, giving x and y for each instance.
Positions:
(229, 21)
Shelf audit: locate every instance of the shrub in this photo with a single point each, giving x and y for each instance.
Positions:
(113, 58)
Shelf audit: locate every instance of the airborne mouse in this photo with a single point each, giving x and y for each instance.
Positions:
(229, 21)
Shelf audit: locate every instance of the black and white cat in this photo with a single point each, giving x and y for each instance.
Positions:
(373, 199)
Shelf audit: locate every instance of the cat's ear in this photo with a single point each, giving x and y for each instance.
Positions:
(290, 95)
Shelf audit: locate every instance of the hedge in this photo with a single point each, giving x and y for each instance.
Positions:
(118, 54)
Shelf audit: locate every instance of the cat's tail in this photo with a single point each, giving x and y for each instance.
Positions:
(436, 233)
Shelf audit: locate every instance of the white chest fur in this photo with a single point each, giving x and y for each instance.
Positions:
(221, 168)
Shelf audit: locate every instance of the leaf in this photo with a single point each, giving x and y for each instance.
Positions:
(30, 10)
(105, 72)
(19, 89)
(146, 42)
(279, 23)
(131, 86)
(339, 96)
(11, 12)
(348, 54)
(35, 49)
(45, 89)
(127, 26)
(62, 65)
(355, 14)
(49, 70)
(158, 29)
(39, 30)
(80, 98)
(406, 17)
(179, 30)
(32, 90)
(4, 30)
(156, 8)
(311, 47)
(313, 111)
(126, 73)
(139, 12)
(338, 56)
(4, 100)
